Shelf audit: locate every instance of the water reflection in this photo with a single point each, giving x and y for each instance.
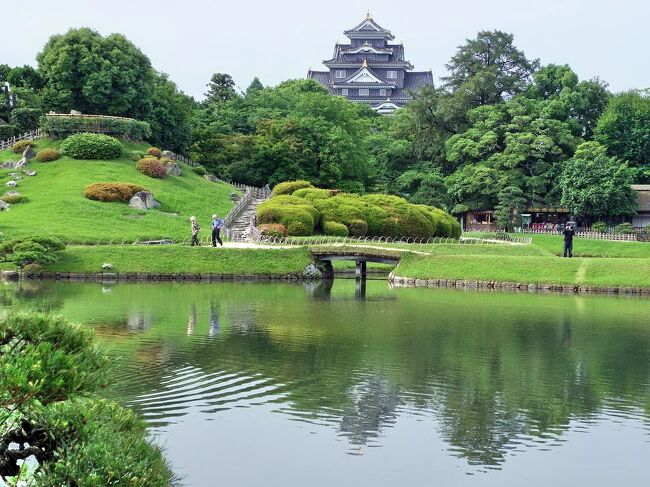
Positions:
(491, 374)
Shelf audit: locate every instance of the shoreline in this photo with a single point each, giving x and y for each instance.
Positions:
(508, 286)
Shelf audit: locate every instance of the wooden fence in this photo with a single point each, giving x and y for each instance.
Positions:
(34, 134)
(625, 237)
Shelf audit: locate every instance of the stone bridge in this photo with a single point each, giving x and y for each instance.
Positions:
(326, 256)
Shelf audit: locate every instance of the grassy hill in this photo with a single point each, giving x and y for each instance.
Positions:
(56, 206)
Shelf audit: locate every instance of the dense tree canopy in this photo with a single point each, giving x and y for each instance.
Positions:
(489, 68)
(94, 74)
(624, 129)
(594, 184)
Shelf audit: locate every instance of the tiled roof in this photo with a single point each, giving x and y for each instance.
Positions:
(417, 79)
(323, 77)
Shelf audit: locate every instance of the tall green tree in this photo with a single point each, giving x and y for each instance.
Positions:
(170, 116)
(255, 85)
(220, 88)
(595, 185)
(512, 204)
(94, 74)
(489, 68)
(624, 129)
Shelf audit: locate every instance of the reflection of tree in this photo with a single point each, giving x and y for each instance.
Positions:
(215, 325)
(191, 320)
(373, 405)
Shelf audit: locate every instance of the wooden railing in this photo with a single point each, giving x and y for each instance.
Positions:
(34, 134)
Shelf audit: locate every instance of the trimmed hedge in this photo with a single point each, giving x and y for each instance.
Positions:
(152, 168)
(336, 229)
(154, 151)
(20, 146)
(112, 191)
(25, 119)
(91, 147)
(48, 155)
(287, 210)
(374, 215)
(273, 230)
(200, 170)
(59, 126)
(289, 187)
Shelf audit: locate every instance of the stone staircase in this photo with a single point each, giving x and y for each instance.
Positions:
(240, 228)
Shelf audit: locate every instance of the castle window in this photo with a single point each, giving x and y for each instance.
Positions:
(382, 92)
(391, 74)
(344, 91)
(340, 73)
(364, 92)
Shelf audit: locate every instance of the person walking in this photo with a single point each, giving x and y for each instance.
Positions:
(568, 241)
(195, 231)
(217, 225)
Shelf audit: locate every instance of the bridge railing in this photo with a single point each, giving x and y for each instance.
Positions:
(400, 241)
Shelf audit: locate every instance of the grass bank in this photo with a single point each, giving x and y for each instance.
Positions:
(593, 248)
(177, 259)
(55, 204)
(630, 272)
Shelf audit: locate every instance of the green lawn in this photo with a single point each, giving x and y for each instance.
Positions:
(176, 259)
(56, 206)
(631, 272)
(593, 248)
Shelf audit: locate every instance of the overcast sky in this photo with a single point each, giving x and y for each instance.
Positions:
(281, 39)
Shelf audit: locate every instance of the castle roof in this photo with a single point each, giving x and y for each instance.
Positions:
(368, 28)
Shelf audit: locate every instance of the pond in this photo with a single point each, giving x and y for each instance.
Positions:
(251, 384)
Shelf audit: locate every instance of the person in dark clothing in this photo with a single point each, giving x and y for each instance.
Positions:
(195, 231)
(568, 241)
(217, 225)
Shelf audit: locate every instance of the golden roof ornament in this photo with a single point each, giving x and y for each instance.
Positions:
(365, 63)
(368, 16)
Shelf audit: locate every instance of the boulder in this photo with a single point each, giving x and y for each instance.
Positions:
(8, 165)
(12, 193)
(211, 177)
(30, 173)
(312, 272)
(168, 154)
(12, 184)
(173, 169)
(143, 200)
(10, 275)
(75, 112)
(21, 164)
(4, 206)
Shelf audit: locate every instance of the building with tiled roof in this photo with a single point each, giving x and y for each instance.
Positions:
(371, 69)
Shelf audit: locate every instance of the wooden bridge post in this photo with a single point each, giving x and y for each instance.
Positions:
(360, 272)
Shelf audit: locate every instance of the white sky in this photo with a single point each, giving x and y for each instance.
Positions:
(281, 39)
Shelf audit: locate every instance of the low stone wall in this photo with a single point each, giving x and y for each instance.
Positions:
(154, 277)
(515, 286)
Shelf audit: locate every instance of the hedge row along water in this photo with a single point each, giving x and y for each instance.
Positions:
(302, 209)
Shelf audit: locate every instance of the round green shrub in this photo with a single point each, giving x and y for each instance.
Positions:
(335, 229)
(338, 209)
(20, 146)
(155, 152)
(200, 170)
(273, 230)
(311, 194)
(112, 191)
(91, 146)
(12, 199)
(47, 155)
(624, 228)
(298, 229)
(288, 187)
(358, 228)
(286, 210)
(152, 168)
(600, 227)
